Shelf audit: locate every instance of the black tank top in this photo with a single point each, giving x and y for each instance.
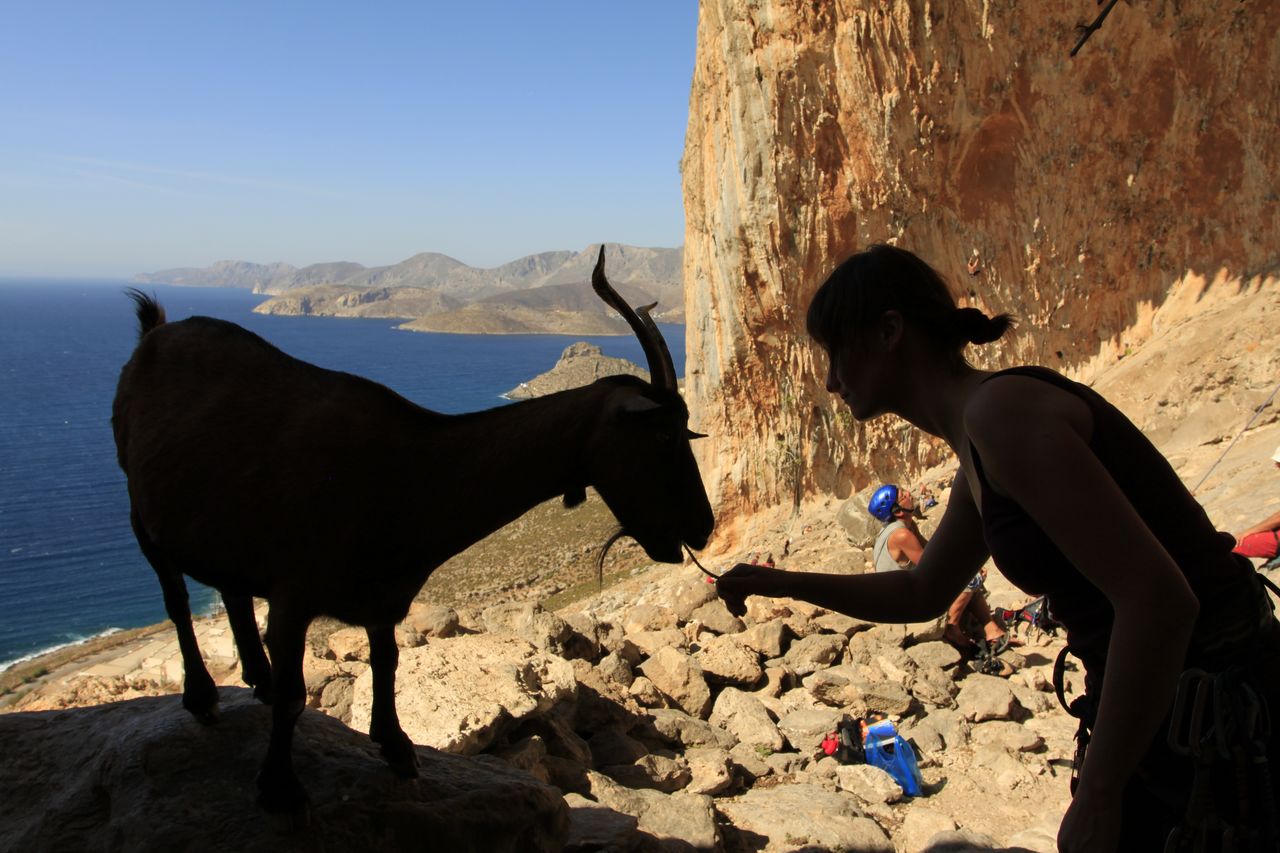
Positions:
(1033, 563)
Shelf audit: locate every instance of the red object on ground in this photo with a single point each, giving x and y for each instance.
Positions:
(830, 744)
(1262, 544)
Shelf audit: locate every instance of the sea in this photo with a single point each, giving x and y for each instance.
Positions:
(70, 569)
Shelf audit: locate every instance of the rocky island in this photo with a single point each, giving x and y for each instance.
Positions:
(547, 293)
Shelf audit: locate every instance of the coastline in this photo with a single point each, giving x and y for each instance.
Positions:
(26, 674)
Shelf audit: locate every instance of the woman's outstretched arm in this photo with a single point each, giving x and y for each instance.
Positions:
(1033, 440)
(952, 557)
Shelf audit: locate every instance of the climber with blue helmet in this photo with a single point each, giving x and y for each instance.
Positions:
(900, 545)
(884, 502)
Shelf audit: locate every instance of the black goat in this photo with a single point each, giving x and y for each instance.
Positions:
(328, 494)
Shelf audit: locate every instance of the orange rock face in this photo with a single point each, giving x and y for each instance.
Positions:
(1080, 189)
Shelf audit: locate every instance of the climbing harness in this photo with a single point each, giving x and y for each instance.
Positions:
(1223, 725)
(1084, 708)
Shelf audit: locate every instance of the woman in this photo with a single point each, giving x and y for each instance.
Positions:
(1070, 500)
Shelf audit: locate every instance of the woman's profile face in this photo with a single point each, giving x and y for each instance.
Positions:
(855, 374)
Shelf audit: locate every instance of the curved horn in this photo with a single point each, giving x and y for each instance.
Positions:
(662, 372)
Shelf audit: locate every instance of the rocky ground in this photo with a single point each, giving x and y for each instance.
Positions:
(655, 719)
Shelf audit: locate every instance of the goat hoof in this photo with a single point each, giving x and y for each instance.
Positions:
(401, 757)
(202, 701)
(206, 716)
(282, 795)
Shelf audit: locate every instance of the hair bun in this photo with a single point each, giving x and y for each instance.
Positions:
(973, 326)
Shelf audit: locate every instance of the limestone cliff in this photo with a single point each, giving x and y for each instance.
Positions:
(1082, 190)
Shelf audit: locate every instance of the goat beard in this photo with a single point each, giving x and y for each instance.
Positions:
(604, 550)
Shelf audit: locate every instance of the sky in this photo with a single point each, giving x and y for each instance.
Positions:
(138, 136)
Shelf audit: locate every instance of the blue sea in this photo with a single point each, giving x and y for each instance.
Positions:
(69, 566)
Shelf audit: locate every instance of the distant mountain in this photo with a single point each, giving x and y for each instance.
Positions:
(549, 292)
(257, 277)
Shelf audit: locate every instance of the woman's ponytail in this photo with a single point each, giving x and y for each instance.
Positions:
(970, 325)
(885, 278)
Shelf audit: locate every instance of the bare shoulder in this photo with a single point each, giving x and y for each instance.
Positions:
(1016, 408)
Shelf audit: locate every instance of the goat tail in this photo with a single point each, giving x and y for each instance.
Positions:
(617, 534)
(150, 313)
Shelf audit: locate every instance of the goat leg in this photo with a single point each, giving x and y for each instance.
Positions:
(278, 787)
(199, 693)
(254, 666)
(384, 724)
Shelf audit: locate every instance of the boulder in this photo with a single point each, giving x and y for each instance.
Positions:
(960, 841)
(646, 694)
(986, 697)
(584, 641)
(647, 617)
(804, 816)
(528, 621)
(768, 638)
(1007, 771)
(920, 825)
(726, 661)
(860, 526)
(144, 774)
(711, 770)
(679, 821)
(805, 728)
(1012, 737)
(743, 716)
(594, 827)
(815, 652)
(682, 729)
(432, 620)
(349, 644)
(679, 678)
(691, 594)
(614, 668)
(869, 784)
(933, 687)
(838, 623)
(716, 617)
(656, 772)
(610, 746)
(459, 694)
(651, 642)
(934, 654)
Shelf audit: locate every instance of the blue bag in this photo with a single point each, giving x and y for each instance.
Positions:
(886, 749)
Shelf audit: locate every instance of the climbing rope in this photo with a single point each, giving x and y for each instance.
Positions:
(705, 571)
(1242, 431)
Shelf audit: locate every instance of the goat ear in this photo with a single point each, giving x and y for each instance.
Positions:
(640, 403)
(691, 435)
(574, 496)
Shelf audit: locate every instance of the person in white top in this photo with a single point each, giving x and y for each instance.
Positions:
(900, 545)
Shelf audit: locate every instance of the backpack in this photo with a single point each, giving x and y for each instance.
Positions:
(849, 749)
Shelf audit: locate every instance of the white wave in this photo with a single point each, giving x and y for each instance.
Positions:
(6, 665)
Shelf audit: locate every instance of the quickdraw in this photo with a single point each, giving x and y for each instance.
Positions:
(1221, 723)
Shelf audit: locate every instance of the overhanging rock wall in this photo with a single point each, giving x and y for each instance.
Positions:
(1083, 189)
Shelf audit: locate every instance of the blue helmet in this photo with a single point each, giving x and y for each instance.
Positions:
(884, 501)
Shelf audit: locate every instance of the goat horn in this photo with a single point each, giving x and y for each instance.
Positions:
(604, 549)
(662, 372)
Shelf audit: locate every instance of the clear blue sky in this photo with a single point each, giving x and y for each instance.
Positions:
(136, 136)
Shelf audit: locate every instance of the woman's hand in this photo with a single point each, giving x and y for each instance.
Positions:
(747, 579)
(1091, 824)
